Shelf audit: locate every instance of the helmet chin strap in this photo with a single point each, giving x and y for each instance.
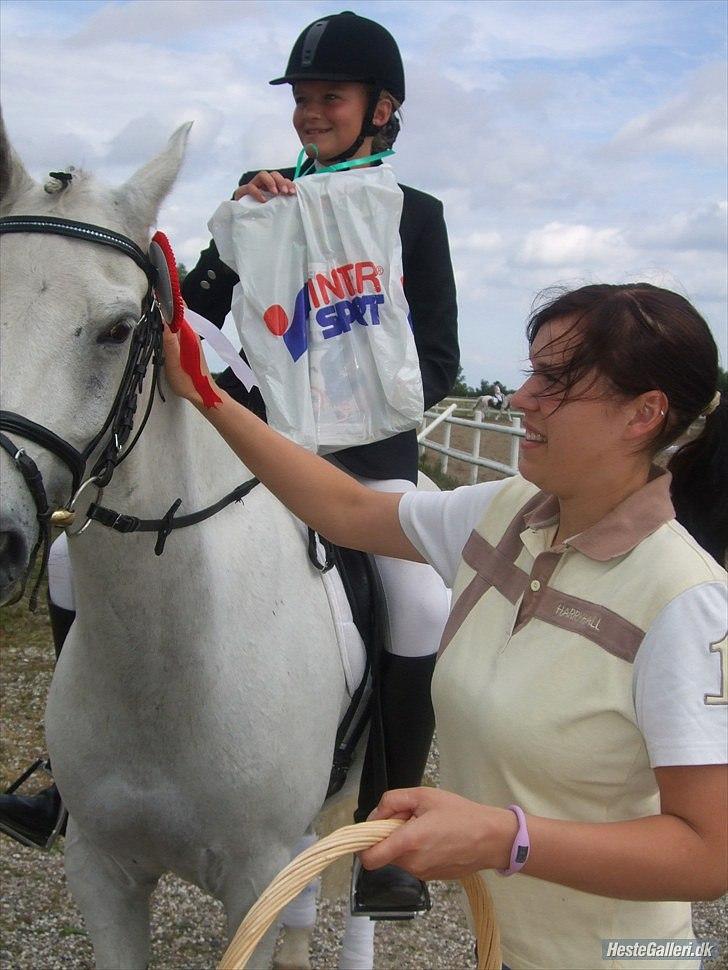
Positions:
(368, 129)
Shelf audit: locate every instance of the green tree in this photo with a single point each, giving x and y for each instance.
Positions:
(460, 388)
(181, 271)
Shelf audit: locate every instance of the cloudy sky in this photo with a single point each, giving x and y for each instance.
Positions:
(571, 142)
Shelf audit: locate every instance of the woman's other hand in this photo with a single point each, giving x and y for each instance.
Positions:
(446, 836)
(265, 186)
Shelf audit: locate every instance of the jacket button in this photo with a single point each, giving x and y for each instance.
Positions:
(204, 284)
(535, 585)
(211, 274)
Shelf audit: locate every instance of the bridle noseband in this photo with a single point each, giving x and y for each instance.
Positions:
(146, 348)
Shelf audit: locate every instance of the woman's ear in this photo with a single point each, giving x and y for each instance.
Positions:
(383, 112)
(648, 414)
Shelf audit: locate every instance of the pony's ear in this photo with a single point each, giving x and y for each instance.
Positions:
(140, 197)
(14, 180)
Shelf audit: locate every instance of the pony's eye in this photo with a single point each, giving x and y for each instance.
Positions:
(117, 333)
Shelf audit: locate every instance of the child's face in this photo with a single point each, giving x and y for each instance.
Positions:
(330, 114)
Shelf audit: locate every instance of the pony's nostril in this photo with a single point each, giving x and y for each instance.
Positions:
(12, 547)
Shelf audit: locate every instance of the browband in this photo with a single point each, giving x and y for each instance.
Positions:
(80, 230)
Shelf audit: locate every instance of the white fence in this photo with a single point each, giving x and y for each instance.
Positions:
(444, 413)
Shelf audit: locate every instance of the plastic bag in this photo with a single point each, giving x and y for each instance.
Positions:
(321, 310)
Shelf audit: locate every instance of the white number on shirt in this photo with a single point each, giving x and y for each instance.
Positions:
(722, 650)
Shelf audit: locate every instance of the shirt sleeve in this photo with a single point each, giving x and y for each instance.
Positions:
(429, 286)
(208, 287)
(681, 680)
(438, 524)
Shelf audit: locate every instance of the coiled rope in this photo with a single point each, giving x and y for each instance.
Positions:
(306, 866)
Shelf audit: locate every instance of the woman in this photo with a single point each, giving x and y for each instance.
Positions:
(583, 666)
(347, 81)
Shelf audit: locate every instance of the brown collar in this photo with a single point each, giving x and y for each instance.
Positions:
(637, 517)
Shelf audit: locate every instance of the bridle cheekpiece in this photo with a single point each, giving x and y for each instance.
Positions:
(145, 348)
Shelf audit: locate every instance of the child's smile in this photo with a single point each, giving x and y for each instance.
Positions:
(330, 114)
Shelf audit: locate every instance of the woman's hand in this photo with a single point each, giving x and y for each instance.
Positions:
(264, 186)
(446, 836)
(679, 854)
(178, 380)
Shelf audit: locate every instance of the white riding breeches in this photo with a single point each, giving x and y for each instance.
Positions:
(418, 601)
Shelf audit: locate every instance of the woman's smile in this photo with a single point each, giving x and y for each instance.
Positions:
(533, 437)
(567, 435)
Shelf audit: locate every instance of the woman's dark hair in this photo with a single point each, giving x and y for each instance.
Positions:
(644, 338)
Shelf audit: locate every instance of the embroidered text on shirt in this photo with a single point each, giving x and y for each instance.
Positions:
(571, 613)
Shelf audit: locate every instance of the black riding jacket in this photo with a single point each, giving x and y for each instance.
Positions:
(429, 287)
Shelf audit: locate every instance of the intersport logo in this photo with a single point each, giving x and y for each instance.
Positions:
(348, 294)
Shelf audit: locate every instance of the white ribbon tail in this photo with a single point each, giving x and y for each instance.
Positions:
(222, 347)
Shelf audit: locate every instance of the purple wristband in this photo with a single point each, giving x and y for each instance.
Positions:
(521, 844)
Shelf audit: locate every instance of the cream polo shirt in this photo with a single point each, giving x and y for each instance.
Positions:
(565, 675)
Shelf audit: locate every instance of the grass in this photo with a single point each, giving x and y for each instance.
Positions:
(444, 482)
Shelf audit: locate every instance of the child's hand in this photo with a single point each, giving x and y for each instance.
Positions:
(264, 186)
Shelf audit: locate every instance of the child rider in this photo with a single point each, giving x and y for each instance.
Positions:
(347, 79)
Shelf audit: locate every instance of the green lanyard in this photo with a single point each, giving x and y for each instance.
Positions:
(339, 166)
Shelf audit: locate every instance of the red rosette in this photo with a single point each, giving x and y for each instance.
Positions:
(169, 297)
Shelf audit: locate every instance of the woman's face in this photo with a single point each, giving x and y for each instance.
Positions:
(571, 441)
(329, 114)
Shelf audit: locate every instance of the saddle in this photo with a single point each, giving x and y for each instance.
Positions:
(364, 591)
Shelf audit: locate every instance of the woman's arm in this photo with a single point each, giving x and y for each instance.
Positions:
(325, 498)
(680, 854)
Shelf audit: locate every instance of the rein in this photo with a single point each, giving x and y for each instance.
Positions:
(145, 349)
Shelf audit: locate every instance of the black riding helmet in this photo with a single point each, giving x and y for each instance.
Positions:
(347, 47)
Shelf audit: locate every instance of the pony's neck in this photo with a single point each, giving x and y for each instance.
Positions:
(179, 455)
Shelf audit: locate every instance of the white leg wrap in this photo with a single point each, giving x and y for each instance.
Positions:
(300, 913)
(357, 948)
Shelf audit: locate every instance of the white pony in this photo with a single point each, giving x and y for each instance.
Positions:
(192, 714)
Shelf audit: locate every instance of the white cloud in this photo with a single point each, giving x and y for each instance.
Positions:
(513, 29)
(702, 228)
(692, 123)
(556, 133)
(158, 20)
(559, 245)
(478, 241)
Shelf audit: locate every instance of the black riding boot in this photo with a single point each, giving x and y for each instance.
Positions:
(408, 722)
(38, 819)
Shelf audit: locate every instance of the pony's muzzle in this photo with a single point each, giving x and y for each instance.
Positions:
(14, 555)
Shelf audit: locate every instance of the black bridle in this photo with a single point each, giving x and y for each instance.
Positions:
(145, 349)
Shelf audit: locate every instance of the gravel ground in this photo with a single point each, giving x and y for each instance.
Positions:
(41, 928)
